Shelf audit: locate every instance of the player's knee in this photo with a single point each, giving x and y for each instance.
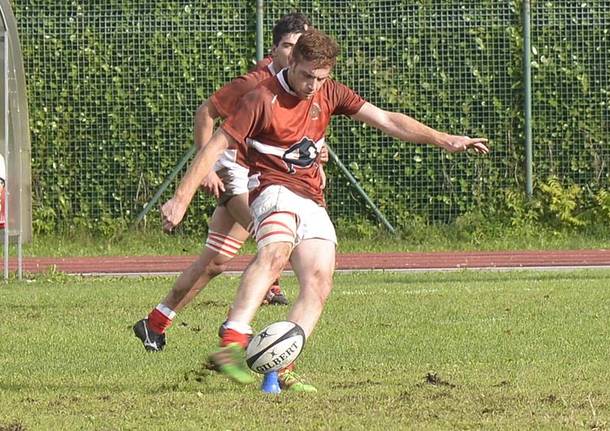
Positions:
(274, 258)
(216, 267)
(319, 284)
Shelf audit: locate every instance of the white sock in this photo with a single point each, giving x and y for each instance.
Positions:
(166, 311)
(242, 328)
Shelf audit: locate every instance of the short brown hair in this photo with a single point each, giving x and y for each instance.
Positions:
(317, 47)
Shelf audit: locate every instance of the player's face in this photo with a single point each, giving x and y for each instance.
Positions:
(305, 78)
(282, 53)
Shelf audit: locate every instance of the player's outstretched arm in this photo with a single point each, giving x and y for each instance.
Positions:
(408, 129)
(203, 127)
(174, 209)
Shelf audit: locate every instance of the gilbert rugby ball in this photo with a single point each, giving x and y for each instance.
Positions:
(275, 347)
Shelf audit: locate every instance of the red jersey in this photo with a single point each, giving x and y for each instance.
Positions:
(225, 99)
(262, 64)
(281, 135)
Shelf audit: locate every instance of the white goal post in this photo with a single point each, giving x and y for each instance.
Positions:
(14, 143)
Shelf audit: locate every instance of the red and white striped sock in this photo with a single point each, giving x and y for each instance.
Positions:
(160, 318)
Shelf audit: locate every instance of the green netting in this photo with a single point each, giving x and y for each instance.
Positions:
(449, 64)
(113, 87)
(571, 97)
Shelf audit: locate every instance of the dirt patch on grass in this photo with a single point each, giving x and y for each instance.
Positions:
(359, 384)
(15, 426)
(436, 380)
(199, 375)
(211, 303)
(191, 328)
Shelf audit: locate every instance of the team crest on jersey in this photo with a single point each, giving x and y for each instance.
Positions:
(315, 111)
(301, 155)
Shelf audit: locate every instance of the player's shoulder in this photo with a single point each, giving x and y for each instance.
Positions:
(262, 64)
(332, 87)
(265, 90)
(255, 76)
(333, 84)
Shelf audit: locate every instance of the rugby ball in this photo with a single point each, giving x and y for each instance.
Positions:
(275, 347)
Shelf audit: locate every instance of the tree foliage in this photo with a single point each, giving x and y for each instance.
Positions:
(113, 87)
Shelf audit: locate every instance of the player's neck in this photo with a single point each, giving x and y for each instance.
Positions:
(272, 68)
(287, 79)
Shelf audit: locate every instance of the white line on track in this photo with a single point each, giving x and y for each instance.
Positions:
(349, 271)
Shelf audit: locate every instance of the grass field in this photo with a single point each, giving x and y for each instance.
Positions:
(459, 350)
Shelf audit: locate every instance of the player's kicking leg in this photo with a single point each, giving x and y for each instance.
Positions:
(230, 358)
(275, 236)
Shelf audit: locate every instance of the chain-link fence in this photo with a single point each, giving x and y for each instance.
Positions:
(571, 96)
(113, 88)
(445, 63)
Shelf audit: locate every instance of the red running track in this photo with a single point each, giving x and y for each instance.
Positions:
(350, 261)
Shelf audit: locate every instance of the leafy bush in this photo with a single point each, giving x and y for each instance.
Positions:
(113, 87)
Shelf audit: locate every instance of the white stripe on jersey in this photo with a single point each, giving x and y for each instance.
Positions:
(276, 151)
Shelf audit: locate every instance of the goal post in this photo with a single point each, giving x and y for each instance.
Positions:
(14, 143)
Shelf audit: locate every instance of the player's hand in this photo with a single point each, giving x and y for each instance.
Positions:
(172, 213)
(213, 185)
(324, 155)
(456, 144)
(323, 178)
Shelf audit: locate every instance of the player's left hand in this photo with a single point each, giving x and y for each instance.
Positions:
(324, 155)
(172, 213)
(456, 144)
(213, 185)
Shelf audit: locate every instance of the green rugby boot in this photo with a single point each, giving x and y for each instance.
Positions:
(291, 381)
(231, 361)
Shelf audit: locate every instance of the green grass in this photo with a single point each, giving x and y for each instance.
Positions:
(468, 237)
(460, 350)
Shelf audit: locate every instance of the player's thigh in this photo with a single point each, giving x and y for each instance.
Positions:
(313, 261)
(223, 222)
(239, 209)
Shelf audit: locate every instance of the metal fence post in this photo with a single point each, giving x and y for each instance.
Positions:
(527, 95)
(151, 203)
(360, 190)
(259, 30)
(7, 154)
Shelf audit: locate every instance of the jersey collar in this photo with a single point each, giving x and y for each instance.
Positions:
(271, 69)
(282, 77)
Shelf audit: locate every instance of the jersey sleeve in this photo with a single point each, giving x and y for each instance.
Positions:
(226, 98)
(262, 64)
(249, 117)
(344, 100)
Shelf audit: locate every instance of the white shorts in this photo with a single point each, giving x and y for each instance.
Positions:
(233, 175)
(312, 219)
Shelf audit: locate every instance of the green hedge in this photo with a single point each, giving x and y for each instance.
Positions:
(113, 88)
